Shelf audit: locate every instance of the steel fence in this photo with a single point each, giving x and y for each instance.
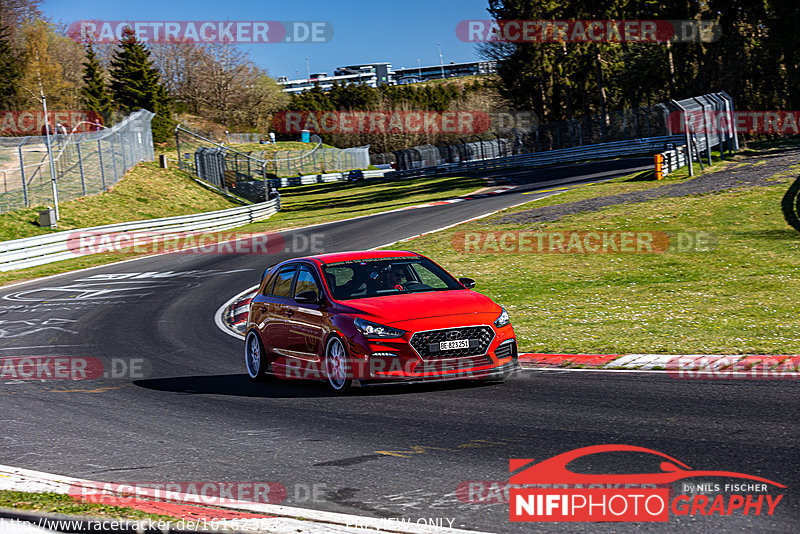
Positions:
(84, 163)
(245, 172)
(322, 160)
(627, 125)
(244, 138)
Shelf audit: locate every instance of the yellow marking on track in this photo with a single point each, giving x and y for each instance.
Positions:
(95, 390)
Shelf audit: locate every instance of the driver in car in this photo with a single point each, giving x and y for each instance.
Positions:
(396, 278)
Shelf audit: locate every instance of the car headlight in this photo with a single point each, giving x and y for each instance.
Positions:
(375, 330)
(503, 319)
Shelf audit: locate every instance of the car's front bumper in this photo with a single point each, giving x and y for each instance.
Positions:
(495, 373)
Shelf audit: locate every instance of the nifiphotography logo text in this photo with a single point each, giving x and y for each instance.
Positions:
(549, 491)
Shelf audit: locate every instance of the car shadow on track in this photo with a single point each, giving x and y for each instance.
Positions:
(240, 385)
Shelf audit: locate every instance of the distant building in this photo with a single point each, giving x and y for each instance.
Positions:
(376, 74)
(448, 70)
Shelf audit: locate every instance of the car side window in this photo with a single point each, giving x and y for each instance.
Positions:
(306, 281)
(282, 285)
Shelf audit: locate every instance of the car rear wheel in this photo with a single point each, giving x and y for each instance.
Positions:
(337, 365)
(254, 357)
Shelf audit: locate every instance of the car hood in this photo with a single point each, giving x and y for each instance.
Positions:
(393, 309)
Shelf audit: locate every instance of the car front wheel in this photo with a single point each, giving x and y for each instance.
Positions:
(254, 356)
(337, 365)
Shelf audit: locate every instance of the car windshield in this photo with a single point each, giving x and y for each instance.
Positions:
(386, 276)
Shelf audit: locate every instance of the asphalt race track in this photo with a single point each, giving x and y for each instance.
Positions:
(191, 414)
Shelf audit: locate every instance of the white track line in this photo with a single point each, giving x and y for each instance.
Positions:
(313, 521)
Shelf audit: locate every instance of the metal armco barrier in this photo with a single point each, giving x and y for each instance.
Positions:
(322, 178)
(39, 250)
(567, 155)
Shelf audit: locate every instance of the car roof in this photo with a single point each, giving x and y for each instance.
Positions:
(337, 257)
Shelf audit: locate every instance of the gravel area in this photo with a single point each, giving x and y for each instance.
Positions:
(736, 176)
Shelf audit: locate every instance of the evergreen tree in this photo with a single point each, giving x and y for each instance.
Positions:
(94, 93)
(135, 84)
(10, 71)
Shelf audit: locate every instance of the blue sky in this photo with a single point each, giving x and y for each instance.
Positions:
(370, 31)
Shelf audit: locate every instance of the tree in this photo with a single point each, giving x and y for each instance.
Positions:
(10, 71)
(135, 84)
(41, 73)
(94, 93)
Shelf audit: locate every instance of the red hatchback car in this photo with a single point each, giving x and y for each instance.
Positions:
(375, 317)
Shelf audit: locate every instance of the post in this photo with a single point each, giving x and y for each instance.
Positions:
(22, 173)
(50, 156)
(659, 161)
(80, 166)
(113, 160)
(687, 133)
(102, 171)
(178, 148)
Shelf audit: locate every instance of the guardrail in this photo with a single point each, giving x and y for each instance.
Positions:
(634, 147)
(323, 178)
(39, 250)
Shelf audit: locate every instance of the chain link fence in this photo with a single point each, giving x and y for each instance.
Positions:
(83, 163)
(244, 138)
(319, 161)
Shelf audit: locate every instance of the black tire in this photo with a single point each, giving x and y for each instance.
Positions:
(255, 358)
(791, 205)
(338, 370)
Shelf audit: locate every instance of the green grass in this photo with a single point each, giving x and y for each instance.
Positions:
(146, 192)
(739, 298)
(56, 503)
(301, 206)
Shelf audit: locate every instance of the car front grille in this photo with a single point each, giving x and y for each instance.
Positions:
(427, 343)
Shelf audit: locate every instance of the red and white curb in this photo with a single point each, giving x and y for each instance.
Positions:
(271, 518)
(732, 364)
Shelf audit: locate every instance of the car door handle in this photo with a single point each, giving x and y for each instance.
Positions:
(289, 313)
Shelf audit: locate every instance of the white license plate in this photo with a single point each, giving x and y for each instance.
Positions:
(454, 344)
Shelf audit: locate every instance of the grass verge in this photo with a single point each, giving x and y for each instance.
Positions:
(146, 192)
(740, 297)
(301, 206)
(57, 503)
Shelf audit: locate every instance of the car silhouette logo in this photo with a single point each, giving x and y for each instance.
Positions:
(554, 470)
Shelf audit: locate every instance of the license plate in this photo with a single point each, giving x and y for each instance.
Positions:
(454, 344)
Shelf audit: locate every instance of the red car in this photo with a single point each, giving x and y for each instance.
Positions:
(374, 317)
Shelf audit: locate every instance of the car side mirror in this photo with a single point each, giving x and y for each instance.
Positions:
(307, 297)
(469, 283)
